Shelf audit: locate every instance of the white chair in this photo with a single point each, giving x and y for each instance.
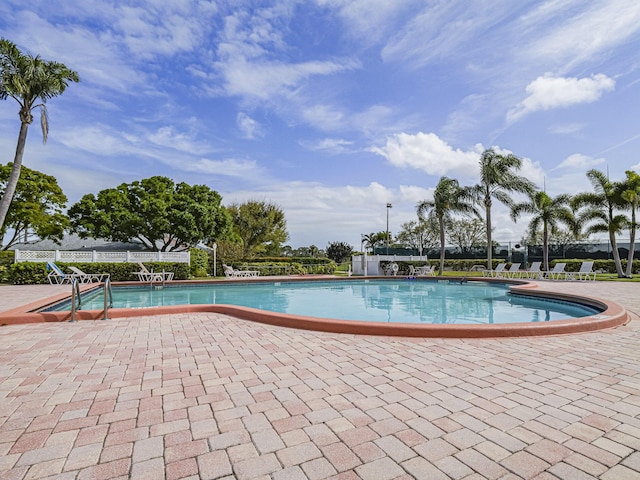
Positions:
(558, 270)
(534, 272)
(88, 277)
(493, 273)
(511, 272)
(426, 271)
(144, 275)
(230, 272)
(57, 276)
(585, 273)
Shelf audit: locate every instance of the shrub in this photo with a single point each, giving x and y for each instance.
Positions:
(199, 262)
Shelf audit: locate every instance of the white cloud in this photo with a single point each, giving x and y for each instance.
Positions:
(248, 126)
(427, 152)
(331, 145)
(566, 129)
(578, 160)
(549, 92)
(227, 167)
(168, 137)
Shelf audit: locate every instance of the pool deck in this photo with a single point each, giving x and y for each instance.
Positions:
(205, 395)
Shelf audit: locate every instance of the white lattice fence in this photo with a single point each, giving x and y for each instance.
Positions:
(94, 256)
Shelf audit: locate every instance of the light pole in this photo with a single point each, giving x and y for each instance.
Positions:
(388, 208)
(215, 247)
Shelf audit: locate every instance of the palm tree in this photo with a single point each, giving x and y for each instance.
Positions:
(448, 198)
(630, 193)
(548, 212)
(601, 205)
(27, 79)
(497, 180)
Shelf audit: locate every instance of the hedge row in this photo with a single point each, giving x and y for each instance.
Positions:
(29, 273)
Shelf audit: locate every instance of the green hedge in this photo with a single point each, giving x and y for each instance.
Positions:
(6, 260)
(29, 273)
(199, 262)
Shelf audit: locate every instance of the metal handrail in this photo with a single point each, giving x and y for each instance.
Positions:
(106, 287)
(75, 294)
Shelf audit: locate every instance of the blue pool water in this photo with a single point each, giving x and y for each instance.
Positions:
(399, 301)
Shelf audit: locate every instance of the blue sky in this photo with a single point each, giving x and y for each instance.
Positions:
(332, 108)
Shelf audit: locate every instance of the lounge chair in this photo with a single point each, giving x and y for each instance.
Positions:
(557, 272)
(534, 272)
(426, 271)
(493, 273)
(88, 277)
(585, 273)
(145, 275)
(230, 272)
(511, 272)
(57, 276)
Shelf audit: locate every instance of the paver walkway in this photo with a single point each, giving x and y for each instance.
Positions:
(208, 396)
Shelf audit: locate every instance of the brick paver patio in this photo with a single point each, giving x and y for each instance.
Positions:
(209, 396)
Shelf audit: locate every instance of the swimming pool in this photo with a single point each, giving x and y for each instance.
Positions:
(380, 301)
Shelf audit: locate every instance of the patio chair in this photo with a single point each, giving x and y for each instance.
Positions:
(426, 271)
(88, 277)
(145, 275)
(510, 272)
(585, 273)
(534, 272)
(230, 272)
(557, 272)
(56, 276)
(492, 273)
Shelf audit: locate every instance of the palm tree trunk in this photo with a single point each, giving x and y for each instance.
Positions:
(12, 183)
(616, 255)
(632, 241)
(545, 248)
(442, 242)
(489, 236)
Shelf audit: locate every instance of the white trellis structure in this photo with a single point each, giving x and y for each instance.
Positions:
(93, 256)
(370, 264)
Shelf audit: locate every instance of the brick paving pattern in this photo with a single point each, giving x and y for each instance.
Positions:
(209, 396)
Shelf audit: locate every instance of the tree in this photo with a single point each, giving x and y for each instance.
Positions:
(497, 180)
(37, 209)
(372, 240)
(259, 225)
(467, 234)
(28, 79)
(630, 194)
(160, 214)
(448, 198)
(547, 213)
(421, 235)
(339, 251)
(601, 205)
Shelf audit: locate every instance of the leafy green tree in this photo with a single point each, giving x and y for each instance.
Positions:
(37, 209)
(467, 234)
(601, 206)
(448, 198)
(548, 213)
(630, 194)
(339, 251)
(421, 235)
(157, 212)
(498, 178)
(28, 79)
(259, 225)
(372, 240)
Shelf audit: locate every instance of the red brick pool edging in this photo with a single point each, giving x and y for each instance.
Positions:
(613, 315)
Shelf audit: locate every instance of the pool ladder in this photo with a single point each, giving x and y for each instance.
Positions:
(77, 298)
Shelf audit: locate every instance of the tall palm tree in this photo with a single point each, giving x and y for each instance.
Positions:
(28, 79)
(448, 198)
(547, 212)
(601, 205)
(498, 178)
(630, 193)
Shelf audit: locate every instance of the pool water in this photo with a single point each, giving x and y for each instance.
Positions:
(397, 301)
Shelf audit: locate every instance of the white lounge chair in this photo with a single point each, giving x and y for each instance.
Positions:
(557, 272)
(88, 277)
(511, 272)
(585, 273)
(493, 273)
(534, 272)
(426, 271)
(145, 275)
(57, 276)
(230, 272)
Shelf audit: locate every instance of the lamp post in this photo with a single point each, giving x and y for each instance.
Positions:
(388, 208)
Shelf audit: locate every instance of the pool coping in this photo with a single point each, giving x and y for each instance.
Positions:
(613, 314)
